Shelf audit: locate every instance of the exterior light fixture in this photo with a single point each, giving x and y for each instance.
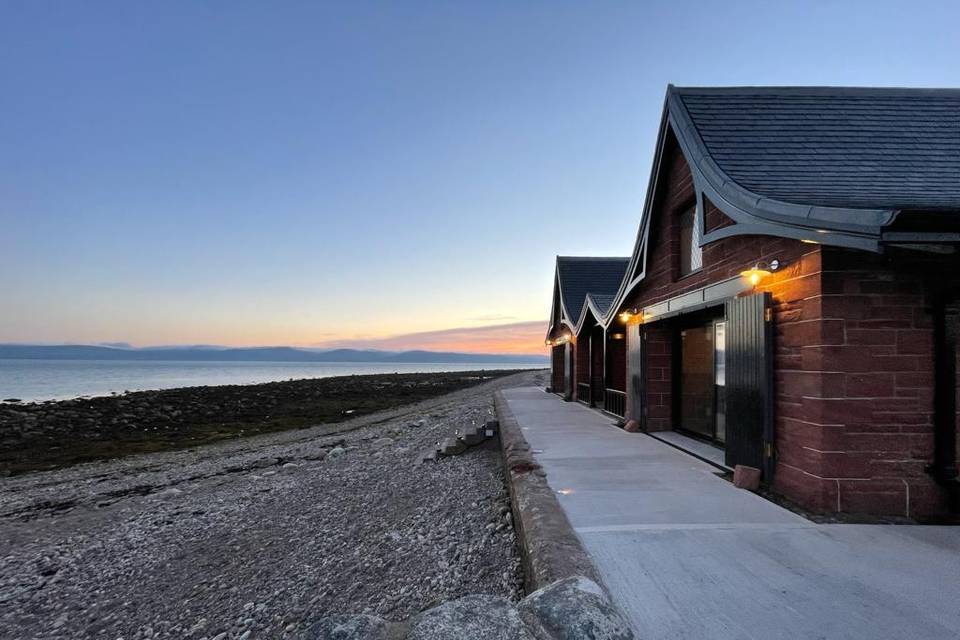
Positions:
(627, 315)
(759, 271)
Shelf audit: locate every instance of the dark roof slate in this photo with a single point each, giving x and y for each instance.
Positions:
(602, 302)
(833, 146)
(582, 275)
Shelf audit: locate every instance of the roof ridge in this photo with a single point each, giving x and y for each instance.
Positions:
(813, 89)
(593, 258)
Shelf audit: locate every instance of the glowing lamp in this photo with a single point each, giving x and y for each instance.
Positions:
(755, 275)
(760, 271)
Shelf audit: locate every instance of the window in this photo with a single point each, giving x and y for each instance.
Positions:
(691, 255)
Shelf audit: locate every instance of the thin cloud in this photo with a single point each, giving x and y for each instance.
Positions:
(515, 337)
(492, 318)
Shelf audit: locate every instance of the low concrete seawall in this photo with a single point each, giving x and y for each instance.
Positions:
(549, 546)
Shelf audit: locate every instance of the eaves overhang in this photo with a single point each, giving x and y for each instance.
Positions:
(559, 316)
(756, 213)
(636, 269)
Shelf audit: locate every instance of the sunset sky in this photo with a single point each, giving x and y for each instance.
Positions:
(387, 175)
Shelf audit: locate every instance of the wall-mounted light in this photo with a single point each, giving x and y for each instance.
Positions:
(628, 315)
(759, 271)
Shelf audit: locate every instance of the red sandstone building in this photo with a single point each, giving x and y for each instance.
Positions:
(791, 303)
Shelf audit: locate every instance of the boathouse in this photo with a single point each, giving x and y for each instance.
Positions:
(583, 290)
(793, 295)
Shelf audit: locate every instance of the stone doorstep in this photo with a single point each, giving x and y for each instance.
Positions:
(745, 477)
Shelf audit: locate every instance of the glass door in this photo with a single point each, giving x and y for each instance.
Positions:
(697, 380)
(702, 381)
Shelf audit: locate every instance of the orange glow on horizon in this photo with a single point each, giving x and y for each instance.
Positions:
(515, 338)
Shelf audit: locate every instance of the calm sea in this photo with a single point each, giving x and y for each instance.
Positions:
(35, 380)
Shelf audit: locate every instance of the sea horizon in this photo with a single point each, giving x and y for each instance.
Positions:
(44, 380)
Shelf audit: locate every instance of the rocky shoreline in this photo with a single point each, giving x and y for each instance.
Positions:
(48, 435)
(259, 537)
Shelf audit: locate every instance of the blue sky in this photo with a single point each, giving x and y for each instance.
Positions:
(326, 173)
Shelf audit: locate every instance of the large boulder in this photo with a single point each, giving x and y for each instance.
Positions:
(357, 627)
(478, 617)
(573, 609)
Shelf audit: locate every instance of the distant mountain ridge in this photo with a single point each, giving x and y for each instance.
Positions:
(255, 354)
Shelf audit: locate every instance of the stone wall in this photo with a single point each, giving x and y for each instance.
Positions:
(868, 397)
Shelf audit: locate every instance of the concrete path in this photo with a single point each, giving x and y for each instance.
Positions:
(687, 555)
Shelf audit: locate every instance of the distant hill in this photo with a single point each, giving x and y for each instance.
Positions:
(255, 354)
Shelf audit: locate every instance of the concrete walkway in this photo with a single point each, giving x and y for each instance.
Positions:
(687, 555)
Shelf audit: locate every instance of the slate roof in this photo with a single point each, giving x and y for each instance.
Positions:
(835, 147)
(602, 302)
(579, 276)
(836, 159)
